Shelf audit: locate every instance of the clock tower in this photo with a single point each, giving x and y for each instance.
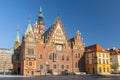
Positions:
(39, 26)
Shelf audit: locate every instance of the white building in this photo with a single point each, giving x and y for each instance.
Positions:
(5, 61)
(115, 58)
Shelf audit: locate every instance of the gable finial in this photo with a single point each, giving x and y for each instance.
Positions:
(40, 9)
(58, 16)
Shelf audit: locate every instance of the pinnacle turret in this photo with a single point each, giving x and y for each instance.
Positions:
(17, 40)
(29, 28)
(17, 36)
(78, 35)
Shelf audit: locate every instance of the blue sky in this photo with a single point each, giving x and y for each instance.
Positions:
(97, 20)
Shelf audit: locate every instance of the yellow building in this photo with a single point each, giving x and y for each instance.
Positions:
(97, 60)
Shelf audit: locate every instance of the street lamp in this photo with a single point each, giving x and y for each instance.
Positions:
(4, 68)
(58, 67)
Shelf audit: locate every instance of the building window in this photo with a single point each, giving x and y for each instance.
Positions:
(50, 56)
(55, 66)
(62, 56)
(103, 55)
(40, 56)
(30, 63)
(103, 61)
(93, 54)
(30, 51)
(107, 61)
(67, 66)
(41, 66)
(107, 55)
(100, 70)
(103, 69)
(107, 69)
(99, 61)
(67, 58)
(54, 56)
(62, 66)
(99, 54)
(78, 55)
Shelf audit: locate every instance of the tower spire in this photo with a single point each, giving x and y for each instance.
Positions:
(17, 36)
(40, 17)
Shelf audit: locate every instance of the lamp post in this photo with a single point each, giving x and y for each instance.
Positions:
(4, 68)
(46, 64)
(58, 67)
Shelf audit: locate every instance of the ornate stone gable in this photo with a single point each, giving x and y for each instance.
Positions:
(29, 35)
(56, 35)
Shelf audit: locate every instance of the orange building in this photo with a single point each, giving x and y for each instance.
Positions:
(48, 51)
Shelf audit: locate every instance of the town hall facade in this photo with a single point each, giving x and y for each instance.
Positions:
(48, 51)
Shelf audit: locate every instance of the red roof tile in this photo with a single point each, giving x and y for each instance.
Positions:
(95, 47)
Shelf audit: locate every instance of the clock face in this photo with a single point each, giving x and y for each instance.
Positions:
(59, 47)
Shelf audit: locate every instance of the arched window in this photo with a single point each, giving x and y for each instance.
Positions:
(55, 66)
(50, 56)
(54, 56)
(62, 66)
(67, 58)
(67, 66)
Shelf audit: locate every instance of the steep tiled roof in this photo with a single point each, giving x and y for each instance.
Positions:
(95, 47)
(48, 32)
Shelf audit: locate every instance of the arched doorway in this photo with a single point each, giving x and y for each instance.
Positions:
(32, 73)
(18, 70)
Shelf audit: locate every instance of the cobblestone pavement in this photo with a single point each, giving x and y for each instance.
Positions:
(67, 77)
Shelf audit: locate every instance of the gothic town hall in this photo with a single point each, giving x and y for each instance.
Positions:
(48, 51)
